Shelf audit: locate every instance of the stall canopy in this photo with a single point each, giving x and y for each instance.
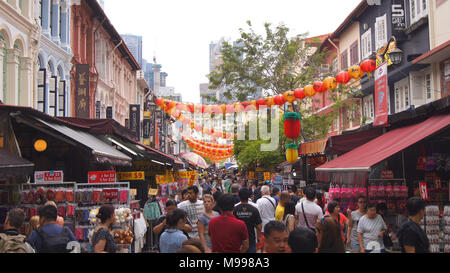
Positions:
(13, 165)
(359, 161)
(312, 148)
(339, 145)
(102, 151)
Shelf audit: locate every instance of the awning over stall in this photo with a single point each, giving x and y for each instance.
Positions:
(361, 159)
(13, 165)
(100, 149)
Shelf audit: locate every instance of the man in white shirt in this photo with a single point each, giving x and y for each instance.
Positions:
(266, 205)
(307, 212)
(194, 209)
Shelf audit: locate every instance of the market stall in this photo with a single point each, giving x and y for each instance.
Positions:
(407, 161)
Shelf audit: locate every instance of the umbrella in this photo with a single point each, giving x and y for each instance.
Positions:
(195, 159)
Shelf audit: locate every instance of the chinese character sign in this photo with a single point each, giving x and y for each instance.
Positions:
(381, 96)
(82, 91)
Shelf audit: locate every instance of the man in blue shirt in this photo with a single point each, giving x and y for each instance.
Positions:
(50, 238)
(172, 238)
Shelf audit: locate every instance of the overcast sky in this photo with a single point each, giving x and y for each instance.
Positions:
(178, 32)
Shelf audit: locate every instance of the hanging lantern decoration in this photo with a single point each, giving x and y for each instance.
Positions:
(223, 108)
(355, 72)
(292, 125)
(343, 77)
(299, 94)
(261, 102)
(269, 101)
(279, 100)
(292, 153)
(318, 87)
(368, 66)
(40, 145)
(330, 83)
(159, 102)
(230, 108)
(289, 96)
(238, 107)
(190, 108)
(309, 91)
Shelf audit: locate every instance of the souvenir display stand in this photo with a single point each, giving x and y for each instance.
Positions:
(9, 197)
(437, 228)
(32, 196)
(90, 197)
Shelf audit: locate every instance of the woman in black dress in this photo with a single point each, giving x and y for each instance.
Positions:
(103, 241)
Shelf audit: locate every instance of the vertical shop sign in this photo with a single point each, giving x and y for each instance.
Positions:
(147, 124)
(423, 191)
(109, 112)
(82, 91)
(381, 96)
(135, 119)
(162, 132)
(97, 109)
(251, 175)
(398, 18)
(158, 115)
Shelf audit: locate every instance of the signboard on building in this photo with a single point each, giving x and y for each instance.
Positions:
(381, 96)
(97, 109)
(49, 176)
(423, 191)
(102, 177)
(398, 18)
(387, 175)
(131, 176)
(267, 176)
(135, 119)
(82, 91)
(251, 175)
(109, 112)
(158, 129)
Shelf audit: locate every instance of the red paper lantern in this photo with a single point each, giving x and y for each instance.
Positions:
(245, 104)
(299, 94)
(318, 86)
(292, 125)
(159, 102)
(230, 108)
(261, 102)
(190, 108)
(343, 77)
(279, 100)
(368, 66)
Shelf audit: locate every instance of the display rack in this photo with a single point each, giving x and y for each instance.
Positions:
(91, 197)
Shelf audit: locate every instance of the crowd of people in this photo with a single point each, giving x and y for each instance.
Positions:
(228, 214)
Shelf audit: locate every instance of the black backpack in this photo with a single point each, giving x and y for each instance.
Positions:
(54, 244)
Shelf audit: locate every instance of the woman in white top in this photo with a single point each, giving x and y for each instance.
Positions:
(371, 229)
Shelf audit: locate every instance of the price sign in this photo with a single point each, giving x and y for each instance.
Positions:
(192, 180)
(251, 175)
(102, 177)
(133, 192)
(161, 179)
(153, 192)
(387, 175)
(49, 176)
(131, 176)
(423, 191)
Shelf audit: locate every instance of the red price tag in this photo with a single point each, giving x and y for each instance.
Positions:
(423, 191)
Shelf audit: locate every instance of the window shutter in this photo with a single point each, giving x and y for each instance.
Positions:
(380, 32)
(417, 89)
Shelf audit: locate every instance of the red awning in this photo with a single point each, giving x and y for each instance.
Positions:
(364, 157)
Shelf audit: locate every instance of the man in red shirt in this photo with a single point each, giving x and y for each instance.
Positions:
(228, 234)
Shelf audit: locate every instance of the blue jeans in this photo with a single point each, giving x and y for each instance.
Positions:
(251, 248)
(355, 245)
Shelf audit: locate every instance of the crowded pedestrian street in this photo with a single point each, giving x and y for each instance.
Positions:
(252, 128)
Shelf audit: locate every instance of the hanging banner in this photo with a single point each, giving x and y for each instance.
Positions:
(251, 175)
(49, 176)
(267, 176)
(398, 18)
(423, 191)
(131, 176)
(381, 96)
(82, 91)
(135, 119)
(102, 177)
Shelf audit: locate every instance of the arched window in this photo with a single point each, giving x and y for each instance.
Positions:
(62, 93)
(19, 68)
(52, 91)
(4, 75)
(42, 75)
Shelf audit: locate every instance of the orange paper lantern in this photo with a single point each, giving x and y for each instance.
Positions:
(289, 96)
(309, 90)
(330, 83)
(355, 72)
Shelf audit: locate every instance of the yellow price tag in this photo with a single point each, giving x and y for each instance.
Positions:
(153, 191)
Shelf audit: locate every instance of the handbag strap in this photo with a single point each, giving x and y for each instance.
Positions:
(304, 215)
(271, 202)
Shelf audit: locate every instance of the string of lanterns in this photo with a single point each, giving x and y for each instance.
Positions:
(292, 120)
(209, 150)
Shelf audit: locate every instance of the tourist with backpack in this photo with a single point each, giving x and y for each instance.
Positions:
(50, 237)
(11, 241)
